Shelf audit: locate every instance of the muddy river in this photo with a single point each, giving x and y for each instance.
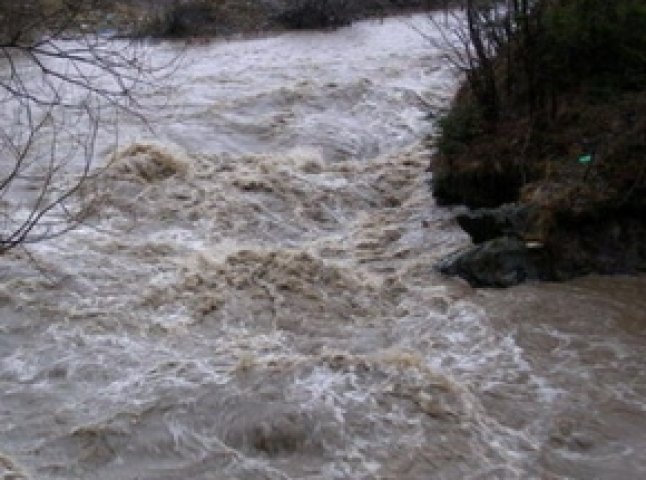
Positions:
(254, 297)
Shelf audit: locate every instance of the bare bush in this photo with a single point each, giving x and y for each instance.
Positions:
(61, 82)
(474, 36)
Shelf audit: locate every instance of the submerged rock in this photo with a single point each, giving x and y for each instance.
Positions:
(271, 432)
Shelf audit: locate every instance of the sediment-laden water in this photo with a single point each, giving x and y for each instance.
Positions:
(254, 297)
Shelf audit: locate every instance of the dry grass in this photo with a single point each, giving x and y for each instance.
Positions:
(542, 162)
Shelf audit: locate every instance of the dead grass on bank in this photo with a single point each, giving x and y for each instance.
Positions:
(540, 164)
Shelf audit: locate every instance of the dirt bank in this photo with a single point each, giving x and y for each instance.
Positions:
(582, 178)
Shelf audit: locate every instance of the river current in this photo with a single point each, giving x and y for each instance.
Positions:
(254, 297)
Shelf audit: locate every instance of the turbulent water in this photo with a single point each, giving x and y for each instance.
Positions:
(255, 299)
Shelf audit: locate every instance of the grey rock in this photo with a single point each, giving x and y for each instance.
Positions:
(501, 262)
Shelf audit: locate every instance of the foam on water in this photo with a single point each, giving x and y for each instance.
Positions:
(260, 302)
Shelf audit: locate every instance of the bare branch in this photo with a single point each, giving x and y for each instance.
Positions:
(57, 77)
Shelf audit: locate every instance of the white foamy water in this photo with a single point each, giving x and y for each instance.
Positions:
(255, 297)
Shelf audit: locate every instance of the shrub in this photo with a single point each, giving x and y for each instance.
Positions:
(596, 41)
(311, 14)
(459, 127)
(180, 20)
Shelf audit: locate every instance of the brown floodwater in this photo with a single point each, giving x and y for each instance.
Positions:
(255, 297)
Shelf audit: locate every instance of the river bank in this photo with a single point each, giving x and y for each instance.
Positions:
(550, 214)
(209, 18)
(555, 175)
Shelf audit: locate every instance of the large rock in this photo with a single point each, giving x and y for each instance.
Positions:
(606, 242)
(501, 262)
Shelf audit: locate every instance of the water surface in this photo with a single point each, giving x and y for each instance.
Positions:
(255, 299)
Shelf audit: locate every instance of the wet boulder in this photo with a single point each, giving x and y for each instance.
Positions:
(280, 432)
(501, 262)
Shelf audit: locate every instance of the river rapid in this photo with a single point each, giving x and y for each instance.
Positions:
(254, 297)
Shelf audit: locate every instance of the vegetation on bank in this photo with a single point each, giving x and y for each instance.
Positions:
(190, 18)
(200, 18)
(552, 113)
(553, 82)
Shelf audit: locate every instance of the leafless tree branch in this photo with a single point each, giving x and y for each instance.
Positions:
(61, 80)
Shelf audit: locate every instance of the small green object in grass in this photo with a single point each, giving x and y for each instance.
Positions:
(585, 159)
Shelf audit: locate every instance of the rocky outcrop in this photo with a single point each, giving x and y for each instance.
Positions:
(503, 254)
(501, 262)
(519, 242)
